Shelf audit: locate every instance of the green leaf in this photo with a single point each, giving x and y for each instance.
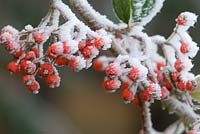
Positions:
(141, 9)
(123, 9)
(137, 11)
(196, 93)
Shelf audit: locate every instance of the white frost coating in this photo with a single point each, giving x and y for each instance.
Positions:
(122, 58)
(94, 17)
(28, 27)
(185, 76)
(106, 38)
(10, 30)
(157, 92)
(189, 20)
(157, 7)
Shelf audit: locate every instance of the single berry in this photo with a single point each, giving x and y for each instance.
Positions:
(98, 65)
(34, 87)
(168, 84)
(184, 47)
(178, 65)
(164, 93)
(191, 85)
(30, 56)
(13, 67)
(181, 85)
(28, 79)
(38, 37)
(134, 73)
(45, 69)
(127, 95)
(180, 20)
(175, 76)
(61, 61)
(52, 81)
(111, 85)
(113, 70)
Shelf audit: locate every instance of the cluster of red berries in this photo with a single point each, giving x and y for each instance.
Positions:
(131, 76)
(142, 82)
(30, 60)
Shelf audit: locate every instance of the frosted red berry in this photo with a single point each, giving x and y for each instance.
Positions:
(30, 55)
(27, 67)
(181, 85)
(175, 76)
(45, 69)
(134, 73)
(98, 65)
(38, 37)
(127, 95)
(178, 65)
(52, 81)
(111, 84)
(34, 86)
(28, 79)
(113, 70)
(191, 85)
(61, 61)
(180, 20)
(184, 47)
(13, 67)
(164, 92)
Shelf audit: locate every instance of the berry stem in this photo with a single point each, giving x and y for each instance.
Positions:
(146, 118)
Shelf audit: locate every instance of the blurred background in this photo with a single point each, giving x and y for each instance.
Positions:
(79, 105)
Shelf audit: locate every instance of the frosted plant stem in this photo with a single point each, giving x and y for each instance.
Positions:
(146, 118)
(181, 109)
(94, 18)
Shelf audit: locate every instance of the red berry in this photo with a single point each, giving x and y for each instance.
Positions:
(18, 53)
(146, 94)
(82, 44)
(98, 43)
(168, 85)
(180, 20)
(184, 47)
(38, 37)
(77, 63)
(55, 50)
(27, 67)
(45, 69)
(65, 48)
(175, 76)
(134, 73)
(178, 65)
(52, 81)
(160, 65)
(136, 101)
(191, 85)
(164, 92)
(98, 65)
(127, 95)
(181, 85)
(61, 61)
(30, 56)
(125, 85)
(111, 84)
(13, 67)
(34, 87)
(28, 79)
(113, 70)
(87, 51)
